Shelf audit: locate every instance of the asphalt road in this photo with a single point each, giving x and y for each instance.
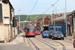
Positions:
(49, 44)
(38, 43)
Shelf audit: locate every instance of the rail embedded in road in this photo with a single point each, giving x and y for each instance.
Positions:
(64, 48)
(34, 44)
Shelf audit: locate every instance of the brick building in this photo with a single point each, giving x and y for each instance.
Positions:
(61, 19)
(71, 22)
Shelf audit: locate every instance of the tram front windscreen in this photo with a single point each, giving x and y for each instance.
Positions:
(30, 29)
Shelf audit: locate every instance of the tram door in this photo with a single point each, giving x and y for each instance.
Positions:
(74, 27)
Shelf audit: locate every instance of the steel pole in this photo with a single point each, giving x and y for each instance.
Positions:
(66, 18)
(54, 17)
(43, 21)
(29, 18)
(19, 18)
(51, 19)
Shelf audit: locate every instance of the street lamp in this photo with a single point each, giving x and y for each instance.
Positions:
(66, 18)
(53, 12)
(53, 16)
(37, 17)
(43, 19)
(36, 20)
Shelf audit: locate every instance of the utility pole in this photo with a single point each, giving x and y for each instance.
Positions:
(37, 19)
(66, 18)
(53, 12)
(51, 18)
(23, 25)
(19, 18)
(44, 18)
(56, 13)
(54, 17)
(29, 18)
(43, 21)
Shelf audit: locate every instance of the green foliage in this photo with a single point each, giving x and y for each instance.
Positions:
(35, 17)
(22, 17)
(32, 17)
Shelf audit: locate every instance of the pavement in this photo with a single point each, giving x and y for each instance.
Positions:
(19, 39)
(69, 38)
(17, 44)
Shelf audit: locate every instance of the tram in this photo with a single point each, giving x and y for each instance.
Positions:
(30, 30)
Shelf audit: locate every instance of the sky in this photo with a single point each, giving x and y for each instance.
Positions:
(42, 5)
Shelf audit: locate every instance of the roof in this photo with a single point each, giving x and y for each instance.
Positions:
(7, 1)
(11, 5)
(59, 19)
(71, 13)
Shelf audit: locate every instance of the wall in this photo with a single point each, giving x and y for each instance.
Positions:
(6, 30)
(69, 30)
(1, 34)
(6, 13)
(13, 27)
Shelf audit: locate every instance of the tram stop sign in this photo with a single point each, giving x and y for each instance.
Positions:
(17, 23)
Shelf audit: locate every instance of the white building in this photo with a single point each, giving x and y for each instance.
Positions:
(6, 17)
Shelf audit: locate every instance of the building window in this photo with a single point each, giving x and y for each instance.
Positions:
(1, 20)
(5, 1)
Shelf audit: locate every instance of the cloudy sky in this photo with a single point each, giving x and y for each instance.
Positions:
(42, 5)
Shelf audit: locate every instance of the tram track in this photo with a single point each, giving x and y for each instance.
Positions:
(64, 48)
(65, 41)
(60, 42)
(46, 40)
(46, 44)
(34, 44)
(37, 48)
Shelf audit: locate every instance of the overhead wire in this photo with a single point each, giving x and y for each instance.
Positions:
(50, 7)
(33, 7)
(43, 12)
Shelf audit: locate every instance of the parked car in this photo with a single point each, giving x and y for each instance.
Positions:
(50, 33)
(38, 32)
(45, 34)
(21, 30)
(57, 34)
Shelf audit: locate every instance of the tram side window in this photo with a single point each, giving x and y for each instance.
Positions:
(1, 13)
